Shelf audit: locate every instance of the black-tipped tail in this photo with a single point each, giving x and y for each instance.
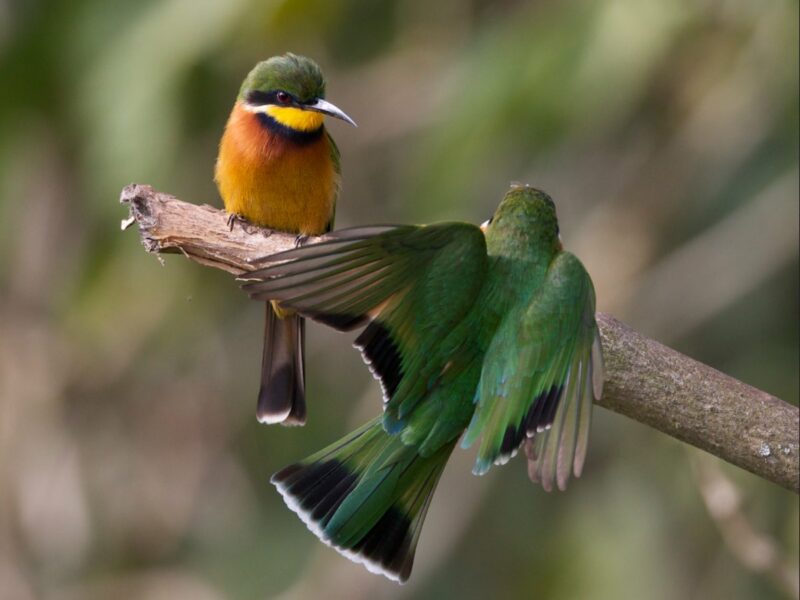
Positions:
(365, 501)
(282, 396)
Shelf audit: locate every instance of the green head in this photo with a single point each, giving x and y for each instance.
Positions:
(296, 75)
(524, 222)
(286, 86)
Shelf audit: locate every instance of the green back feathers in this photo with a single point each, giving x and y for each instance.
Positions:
(539, 368)
(299, 76)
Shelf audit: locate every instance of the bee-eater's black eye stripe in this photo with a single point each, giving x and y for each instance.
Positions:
(259, 98)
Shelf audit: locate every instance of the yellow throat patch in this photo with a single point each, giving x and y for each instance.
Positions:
(295, 118)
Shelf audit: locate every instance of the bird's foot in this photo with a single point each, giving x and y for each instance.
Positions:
(234, 218)
(301, 240)
(246, 225)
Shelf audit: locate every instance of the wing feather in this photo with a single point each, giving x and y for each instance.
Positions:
(539, 378)
(411, 285)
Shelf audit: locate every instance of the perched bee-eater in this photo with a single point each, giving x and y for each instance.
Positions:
(278, 168)
(486, 330)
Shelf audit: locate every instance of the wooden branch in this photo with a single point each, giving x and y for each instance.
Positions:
(645, 380)
(692, 402)
(201, 233)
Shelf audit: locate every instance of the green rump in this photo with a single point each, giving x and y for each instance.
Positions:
(486, 332)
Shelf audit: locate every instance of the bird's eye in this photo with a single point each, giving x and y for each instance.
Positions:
(283, 97)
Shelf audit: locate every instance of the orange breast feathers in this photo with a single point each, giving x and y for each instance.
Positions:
(272, 181)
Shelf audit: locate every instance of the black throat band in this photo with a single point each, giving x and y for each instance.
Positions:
(301, 138)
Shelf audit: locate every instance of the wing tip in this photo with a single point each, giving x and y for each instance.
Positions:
(481, 466)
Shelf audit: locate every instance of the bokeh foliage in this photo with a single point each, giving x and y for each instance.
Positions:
(131, 464)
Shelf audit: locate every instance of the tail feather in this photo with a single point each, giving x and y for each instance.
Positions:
(281, 398)
(366, 496)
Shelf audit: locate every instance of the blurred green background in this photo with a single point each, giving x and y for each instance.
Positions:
(131, 463)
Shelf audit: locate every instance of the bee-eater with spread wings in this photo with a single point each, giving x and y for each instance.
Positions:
(487, 332)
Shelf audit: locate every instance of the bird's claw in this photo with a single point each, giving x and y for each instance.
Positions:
(246, 225)
(234, 218)
(301, 240)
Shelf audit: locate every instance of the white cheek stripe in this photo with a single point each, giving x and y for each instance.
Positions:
(261, 108)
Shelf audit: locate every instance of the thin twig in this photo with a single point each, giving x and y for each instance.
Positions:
(755, 550)
(645, 380)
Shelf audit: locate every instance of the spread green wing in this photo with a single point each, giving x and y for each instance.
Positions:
(411, 286)
(539, 377)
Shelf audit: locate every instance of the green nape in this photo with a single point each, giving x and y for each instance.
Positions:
(366, 496)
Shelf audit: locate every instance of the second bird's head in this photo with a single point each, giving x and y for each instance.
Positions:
(526, 218)
(289, 90)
